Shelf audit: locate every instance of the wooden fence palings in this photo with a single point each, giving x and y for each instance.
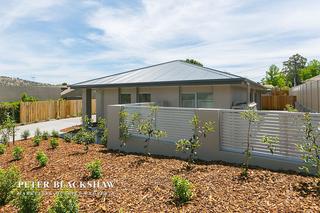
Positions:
(46, 110)
(277, 102)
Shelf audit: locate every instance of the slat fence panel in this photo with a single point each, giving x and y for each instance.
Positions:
(175, 121)
(285, 125)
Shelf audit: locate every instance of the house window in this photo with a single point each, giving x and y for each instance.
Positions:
(198, 100)
(125, 98)
(188, 100)
(144, 98)
(204, 100)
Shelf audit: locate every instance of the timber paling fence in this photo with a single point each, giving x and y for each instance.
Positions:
(308, 95)
(276, 102)
(45, 110)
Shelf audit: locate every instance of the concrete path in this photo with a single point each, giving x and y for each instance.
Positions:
(48, 126)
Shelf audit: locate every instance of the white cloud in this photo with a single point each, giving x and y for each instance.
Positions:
(242, 37)
(228, 33)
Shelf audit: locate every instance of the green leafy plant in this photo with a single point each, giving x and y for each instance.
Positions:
(2, 149)
(95, 169)
(27, 199)
(147, 128)
(67, 137)
(54, 143)
(123, 127)
(9, 179)
(85, 137)
(25, 134)
(311, 147)
(200, 130)
(45, 135)
(290, 108)
(17, 153)
(7, 128)
(42, 158)
(182, 189)
(54, 134)
(36, 140)
(103, 131)
(65, 201)
(38, 133)
(28, 98)
(270, 141)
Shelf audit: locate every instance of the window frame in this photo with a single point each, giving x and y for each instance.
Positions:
(196, 94)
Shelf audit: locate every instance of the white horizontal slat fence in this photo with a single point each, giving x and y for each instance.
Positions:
(287, 126)
(175, 121)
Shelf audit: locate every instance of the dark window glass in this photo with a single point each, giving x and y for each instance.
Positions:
(144, 98)
(125, 98)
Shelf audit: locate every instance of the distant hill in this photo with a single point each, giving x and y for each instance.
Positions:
(8, 81)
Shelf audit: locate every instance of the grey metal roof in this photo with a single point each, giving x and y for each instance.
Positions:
(168, 73)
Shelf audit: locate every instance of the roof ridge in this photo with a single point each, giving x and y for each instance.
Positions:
(128, 71)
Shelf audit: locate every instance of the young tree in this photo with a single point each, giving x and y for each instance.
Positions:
(251, 115)
(7, 129)
(200, 130)
(311, 147)
(123, 127)
(147, 128)
(293, 67)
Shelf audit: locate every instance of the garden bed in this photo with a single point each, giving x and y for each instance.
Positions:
(145, 186)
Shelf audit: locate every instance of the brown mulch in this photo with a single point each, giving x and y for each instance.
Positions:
(71, 129)
(145, 186)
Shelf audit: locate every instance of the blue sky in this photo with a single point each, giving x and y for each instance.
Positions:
(57, 41)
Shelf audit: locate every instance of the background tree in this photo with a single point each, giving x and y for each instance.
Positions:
(292, 69)
(274, 77)
(311, 70)
(195, 62)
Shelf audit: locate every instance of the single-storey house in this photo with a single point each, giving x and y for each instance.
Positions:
(173, 84)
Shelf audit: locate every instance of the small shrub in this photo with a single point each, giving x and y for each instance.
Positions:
(45, 135)
(95, 169)
(42, 158)
(55, 134)
(9, 179)
(85, 137)
(54, 143)
(25, 134)
(67, 137)
(65, 201)
(290, 108)
(2, 149)
(36, 140)
(27, 199)
(37, 133)
(182, 189)
(17, 153)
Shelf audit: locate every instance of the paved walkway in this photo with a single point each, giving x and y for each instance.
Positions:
(48, 126)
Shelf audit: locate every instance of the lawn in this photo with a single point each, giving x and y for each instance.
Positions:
(141, 185)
